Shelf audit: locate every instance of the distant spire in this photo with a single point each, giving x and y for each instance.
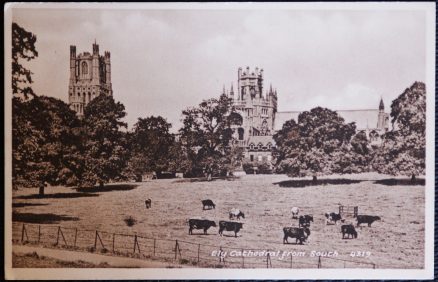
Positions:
(232, 91)
(270, 88)
(223, 91)
(381, 105)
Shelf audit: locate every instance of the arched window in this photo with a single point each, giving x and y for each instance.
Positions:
(84, 68)
(251, 146)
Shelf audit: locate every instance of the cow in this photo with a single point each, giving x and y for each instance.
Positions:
(295, 211)
(200, 224)
(235, 213)
(208, 203)
(366, 219)
(230, 226)
(304, 220)
(334, 217)
(349, 230)
(148, 203)
(300, 234)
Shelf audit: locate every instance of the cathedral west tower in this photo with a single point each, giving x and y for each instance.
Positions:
(90, 76)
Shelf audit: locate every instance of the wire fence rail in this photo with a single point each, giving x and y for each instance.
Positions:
(176, 251)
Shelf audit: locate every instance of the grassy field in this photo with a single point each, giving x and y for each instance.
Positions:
(395, 242)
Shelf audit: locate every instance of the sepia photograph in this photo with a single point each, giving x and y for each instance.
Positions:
(219, 140)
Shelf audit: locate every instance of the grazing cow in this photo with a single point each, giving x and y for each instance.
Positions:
(333, 217)
(349, 230)
(200, 224)
(366, 219)
(148, 203)
(295, 211)
(304, 220)
(300, 234)
(208, 203)
(235, 213)
(230, 226)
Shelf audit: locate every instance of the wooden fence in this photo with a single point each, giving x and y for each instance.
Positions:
(183, 252)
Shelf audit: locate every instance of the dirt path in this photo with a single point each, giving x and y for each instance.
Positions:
(96, 259)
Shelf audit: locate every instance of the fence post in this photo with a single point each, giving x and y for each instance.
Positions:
(290, 260)
(95, 241)
(136, 244)
(62, 234)
(22, 233)
(57, 238)
(319, 262)
(374, 266)
(243, 260)
(154, 247)
(76, 236)
(114, 237)
(267, 259)
(39, 233)
(176, 248)
(199, 249)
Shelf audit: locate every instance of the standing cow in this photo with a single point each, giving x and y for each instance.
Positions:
(200, 224)
(304, 220)
(300, 234)
(148, 203)
(235, 213)
(208, 203)
(295, 211)
(366, 219)
(333, 217)
(349, 230)
(230, 226)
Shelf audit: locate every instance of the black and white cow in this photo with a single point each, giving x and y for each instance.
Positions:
(349, 230)
(208, 203)
(333, 217)
(367, 219)
(230, 226)
(200, 224)
(304, 220)
(300, 234)
(235, 213)
(295, 211)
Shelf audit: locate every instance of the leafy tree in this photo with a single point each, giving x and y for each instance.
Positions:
(105, 152)
(207, 134)
(150, 144)
(403, 151)
(315, 145)
(45, 143)
(23, 47)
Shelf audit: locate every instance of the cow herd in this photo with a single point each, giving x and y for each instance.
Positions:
(300, 233)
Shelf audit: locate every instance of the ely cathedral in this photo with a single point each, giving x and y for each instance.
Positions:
(260, 118)
(90, 76)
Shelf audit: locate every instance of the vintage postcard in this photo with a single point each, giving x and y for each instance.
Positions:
(219, 140)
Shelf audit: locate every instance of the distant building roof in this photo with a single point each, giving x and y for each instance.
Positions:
(261, 139)
(363, 118)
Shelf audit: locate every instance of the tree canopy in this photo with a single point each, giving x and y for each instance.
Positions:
(403, 151)
(315, 145)
(105, 153)
(150, 145)
(45, 142)
(207, 134)
(23, 47)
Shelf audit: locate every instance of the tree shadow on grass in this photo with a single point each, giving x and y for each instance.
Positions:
(401, 182)
(107, 188)
(204, 179)
(309, 182)
(21, 205)
(42, 218)
(57, 196)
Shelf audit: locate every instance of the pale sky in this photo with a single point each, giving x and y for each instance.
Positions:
(163, 61)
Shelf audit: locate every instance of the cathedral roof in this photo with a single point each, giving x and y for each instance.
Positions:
(363, 118)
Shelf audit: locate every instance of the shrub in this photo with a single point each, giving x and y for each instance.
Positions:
(130, 221)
